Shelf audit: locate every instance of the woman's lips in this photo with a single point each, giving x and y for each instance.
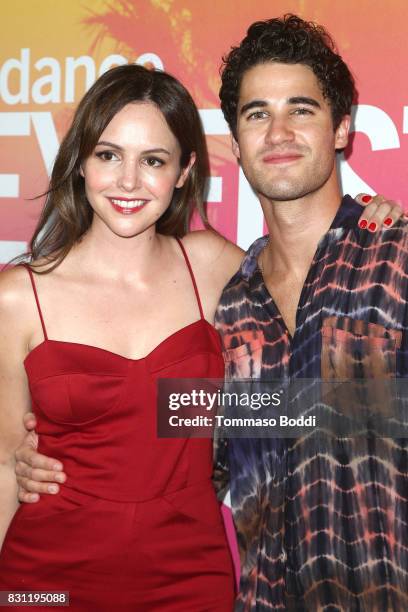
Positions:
(126, 206)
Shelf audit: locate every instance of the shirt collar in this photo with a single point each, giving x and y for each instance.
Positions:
(345, 219)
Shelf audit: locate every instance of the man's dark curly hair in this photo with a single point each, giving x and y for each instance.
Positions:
(288, 40)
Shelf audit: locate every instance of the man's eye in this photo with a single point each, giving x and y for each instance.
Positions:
(303, 111)
(106, 155)
(257, 115)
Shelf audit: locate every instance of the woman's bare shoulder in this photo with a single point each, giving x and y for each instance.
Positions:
(207, 248)
(17, 308)
(14, 287)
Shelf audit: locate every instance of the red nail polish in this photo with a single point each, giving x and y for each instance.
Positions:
(372, 227)
(362, 224)
(366, 198)
(388, 221)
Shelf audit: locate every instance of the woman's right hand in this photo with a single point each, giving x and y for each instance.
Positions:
(35, 473)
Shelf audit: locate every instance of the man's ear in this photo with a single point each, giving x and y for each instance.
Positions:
(342, 133)
(186, 171)
(235, 147)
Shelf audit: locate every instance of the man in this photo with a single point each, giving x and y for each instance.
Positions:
(321, 522)
(317, 528)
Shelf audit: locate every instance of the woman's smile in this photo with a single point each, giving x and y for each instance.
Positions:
(126, 206)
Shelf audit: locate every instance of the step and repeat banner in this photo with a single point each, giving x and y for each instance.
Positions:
(51, 52)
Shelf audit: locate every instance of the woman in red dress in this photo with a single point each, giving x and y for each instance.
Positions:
(110, 302)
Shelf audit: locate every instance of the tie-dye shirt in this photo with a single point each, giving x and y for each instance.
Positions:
(322, 523)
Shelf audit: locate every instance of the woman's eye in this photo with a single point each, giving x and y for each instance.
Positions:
(154, 162)
(106, 155)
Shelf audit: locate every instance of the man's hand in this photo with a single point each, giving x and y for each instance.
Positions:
(35, 473)
(378, 212)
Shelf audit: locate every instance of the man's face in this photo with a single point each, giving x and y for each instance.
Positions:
(285, 138)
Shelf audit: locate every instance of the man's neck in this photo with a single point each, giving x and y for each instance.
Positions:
(295, 229)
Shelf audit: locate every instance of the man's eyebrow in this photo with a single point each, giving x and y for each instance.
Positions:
(253, 104)
(294, 100)
(304, 100)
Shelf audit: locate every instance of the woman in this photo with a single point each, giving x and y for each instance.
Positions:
(110, 302)
(137, 526)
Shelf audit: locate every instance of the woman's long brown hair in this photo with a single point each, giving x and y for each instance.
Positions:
(67, 215)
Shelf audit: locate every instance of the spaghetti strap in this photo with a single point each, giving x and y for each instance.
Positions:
(31, 275)
(183, 250)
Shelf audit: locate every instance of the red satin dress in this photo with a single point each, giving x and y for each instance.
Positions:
(137, 527)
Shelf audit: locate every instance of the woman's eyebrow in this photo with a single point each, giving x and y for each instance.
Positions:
(106, 143)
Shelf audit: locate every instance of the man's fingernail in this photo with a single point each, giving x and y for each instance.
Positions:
(53, 489)
(372, 227)
(366, 198)
(362, 224)
(388, 221)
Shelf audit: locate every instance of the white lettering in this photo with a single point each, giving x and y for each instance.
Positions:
(377, 125)
(12, 124)
(213, 189)
(53, 80)
(22, 66)
(212, 397)
(150, 58)
(47, 138)
(382, 133)
(10, 249)
(9, 185)
(250, 216)
(110, 61)
(405, 120)
(71, 66)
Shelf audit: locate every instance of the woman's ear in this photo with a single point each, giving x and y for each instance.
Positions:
(186, 171)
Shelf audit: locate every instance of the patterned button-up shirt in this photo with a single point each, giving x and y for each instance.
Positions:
(322, 522)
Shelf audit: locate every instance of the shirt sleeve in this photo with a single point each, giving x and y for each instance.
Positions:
(221, 474)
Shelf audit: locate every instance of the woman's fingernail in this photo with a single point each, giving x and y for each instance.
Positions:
(34, 497)
(366, 198)
(59, 477)
(362, 223)
(388, 221)
(372, 227)
(57, 467)
(53, 489)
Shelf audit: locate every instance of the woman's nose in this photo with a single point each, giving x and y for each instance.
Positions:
(129, 178)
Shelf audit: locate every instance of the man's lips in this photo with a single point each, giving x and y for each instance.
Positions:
(128, 206)
(281, 158)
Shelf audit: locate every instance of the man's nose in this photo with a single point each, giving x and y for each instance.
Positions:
(279, 130)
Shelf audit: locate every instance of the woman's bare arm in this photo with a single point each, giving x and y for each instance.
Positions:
(14, 395)
(214, 260)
